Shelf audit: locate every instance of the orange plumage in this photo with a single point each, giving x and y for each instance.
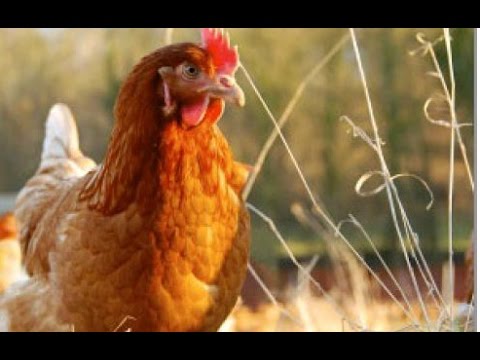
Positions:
(8, 227)
(10, 254)
(157, 237)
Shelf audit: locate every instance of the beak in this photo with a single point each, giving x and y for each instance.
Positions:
(226, 88)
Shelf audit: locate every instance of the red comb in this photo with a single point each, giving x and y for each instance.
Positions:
(217, 43)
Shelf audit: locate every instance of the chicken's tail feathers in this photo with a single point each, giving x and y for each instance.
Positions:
(61, 135)
(61, 150)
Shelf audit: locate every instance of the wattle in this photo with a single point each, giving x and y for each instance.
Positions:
(193, 114)
(204, 109)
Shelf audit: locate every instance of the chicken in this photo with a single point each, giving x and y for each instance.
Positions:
(157, 237)
(8, 227)
(10, 253)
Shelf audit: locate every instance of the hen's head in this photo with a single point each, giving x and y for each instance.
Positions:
(173, 89)
(190, 81)
(198, 77)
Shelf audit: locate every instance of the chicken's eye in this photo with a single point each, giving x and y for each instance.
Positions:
(190, 71)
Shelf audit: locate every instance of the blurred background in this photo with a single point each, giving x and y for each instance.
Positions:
(85, 67)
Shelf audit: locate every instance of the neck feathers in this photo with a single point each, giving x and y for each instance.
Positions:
(135, 154)
(132, 151)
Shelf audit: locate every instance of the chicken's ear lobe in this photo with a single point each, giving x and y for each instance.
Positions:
(167, 96)
(217, 43)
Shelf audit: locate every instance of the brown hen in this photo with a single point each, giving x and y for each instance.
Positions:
(10, 254)
(157, 237)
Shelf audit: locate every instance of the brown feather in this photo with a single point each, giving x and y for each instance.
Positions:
(158, 232)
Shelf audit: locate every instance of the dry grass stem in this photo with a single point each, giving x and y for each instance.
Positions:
(168, 36)
(427, 47)
(390, 186)
(125, 319)
(271, 297)
(357, 224)
(451, 173)
(469, 314)
(288, 111)
(422, 264)
(304, 272)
